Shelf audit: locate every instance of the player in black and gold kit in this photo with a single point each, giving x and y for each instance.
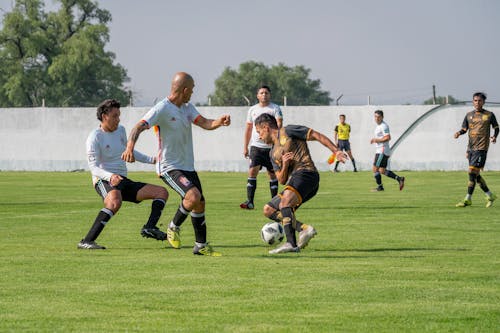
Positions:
(295, 169)
(478, 123)
(341, 136)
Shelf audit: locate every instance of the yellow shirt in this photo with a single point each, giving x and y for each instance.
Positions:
(343, 131)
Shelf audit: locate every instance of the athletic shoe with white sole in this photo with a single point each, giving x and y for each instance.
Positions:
(489, 200)
(205, 250)
(305, 236)
(287, 247)
(153, 233)
(174, 237)
(90, 245)
(464, 203)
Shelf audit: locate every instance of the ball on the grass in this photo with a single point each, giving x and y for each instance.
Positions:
(272, 233)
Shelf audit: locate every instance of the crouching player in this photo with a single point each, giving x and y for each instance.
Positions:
(296, 170)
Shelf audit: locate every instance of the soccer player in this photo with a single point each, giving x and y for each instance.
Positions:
(383, 153)
(259, 150)
(295, 169)
(478, 123)
(172, 119)
(105, 146)
(341, 136)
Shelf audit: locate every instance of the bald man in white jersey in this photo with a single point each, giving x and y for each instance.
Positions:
(105, 146)
(172, 119)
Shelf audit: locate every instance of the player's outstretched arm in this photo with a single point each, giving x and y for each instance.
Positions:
(211, 124)
(325, 141)
(128, 154)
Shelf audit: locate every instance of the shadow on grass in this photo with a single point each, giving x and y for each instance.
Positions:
(395, 249)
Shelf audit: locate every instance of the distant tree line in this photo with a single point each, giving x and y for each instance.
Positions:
(58, 58)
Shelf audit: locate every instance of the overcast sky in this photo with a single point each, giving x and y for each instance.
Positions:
(391, 50)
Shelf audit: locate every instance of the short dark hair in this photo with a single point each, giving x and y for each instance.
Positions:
(380, 113)
(480, 94)
(264, 87)
(342, 115)
(266, 119)
(106, 106)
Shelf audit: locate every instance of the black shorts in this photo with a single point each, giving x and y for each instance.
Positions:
(304, 183)
(344, 145)
(477, 158)
(260, 157)
(182, 181)
(127, 187)
(380, 160)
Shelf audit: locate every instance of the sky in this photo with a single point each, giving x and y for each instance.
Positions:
(382, 51)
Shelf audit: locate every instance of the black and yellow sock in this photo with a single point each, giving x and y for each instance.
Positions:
(288, 222)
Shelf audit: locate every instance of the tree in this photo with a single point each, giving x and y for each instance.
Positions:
(441, 100)
(58, 57)
(239, 87)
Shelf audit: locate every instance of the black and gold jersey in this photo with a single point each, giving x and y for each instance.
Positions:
(478, 124)
(292, 138)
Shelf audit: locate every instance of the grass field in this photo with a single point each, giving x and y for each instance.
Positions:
(382, 262)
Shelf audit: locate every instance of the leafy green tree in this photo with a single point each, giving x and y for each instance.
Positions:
(239, 87)
(58, 57)
(441, 100)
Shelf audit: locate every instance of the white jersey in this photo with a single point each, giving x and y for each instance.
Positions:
(104, 153)
(381, 131)
(255, 111)
(173, 128)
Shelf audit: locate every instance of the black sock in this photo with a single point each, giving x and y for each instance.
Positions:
(251, 186)
(472, 183)
(336, 165)
(378, 178)
(276, 216)
(99, 223)
(273, 186)
(392, 175)
(180, 215)
(156, 209)
(482, 183)
(288, 222)
(200, 227)
(354, 164)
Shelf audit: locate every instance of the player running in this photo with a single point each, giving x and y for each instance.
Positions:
(478, 123)
(295, 169)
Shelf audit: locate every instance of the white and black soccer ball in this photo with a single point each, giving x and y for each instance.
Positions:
(272, 233)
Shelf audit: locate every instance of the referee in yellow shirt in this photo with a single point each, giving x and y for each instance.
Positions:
(341, 138)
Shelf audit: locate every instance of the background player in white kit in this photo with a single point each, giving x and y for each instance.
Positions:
(172, 119)
(105, 146)
(259, 150)
(383, 152)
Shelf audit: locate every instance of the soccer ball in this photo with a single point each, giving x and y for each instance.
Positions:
(272, 233)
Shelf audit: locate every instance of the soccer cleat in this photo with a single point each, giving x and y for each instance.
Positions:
(355, 170)
(247, 205)
(305, 236)
(401, 182)
(378, 189)
(153, 233)
(90, 245)
(464, 203)
(174, 237)
(287, 247)
(205, 250)
(489, 200)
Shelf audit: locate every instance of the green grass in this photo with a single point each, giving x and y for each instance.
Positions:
(382, 262)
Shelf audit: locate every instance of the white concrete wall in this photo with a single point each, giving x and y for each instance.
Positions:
(53, 139)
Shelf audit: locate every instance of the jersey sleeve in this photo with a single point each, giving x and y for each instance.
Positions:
(193, 113)
(297, 132)
(277, 112)
(152, 116)
(494, 122)
(94, 158)
(465, 123)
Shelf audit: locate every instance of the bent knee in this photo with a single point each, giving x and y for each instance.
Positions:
(268, 210)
